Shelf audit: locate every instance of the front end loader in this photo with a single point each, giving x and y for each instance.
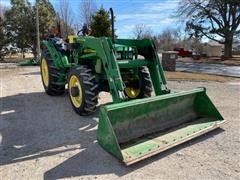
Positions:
(145, 117)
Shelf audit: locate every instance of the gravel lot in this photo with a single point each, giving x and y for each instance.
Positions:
(42, 138)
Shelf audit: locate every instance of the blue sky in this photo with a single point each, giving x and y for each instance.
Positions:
(155, 14)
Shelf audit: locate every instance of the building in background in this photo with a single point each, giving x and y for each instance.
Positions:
(213, 49)
(236, 48)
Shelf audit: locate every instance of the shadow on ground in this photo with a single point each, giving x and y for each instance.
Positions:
(31, 73)
(95, 161)
(33, 125)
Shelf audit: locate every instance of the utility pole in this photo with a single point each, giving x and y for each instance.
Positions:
(37, 28)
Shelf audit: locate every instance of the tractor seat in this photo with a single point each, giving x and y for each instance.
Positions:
(61, 45)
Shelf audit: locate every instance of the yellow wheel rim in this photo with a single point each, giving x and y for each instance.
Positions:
(74, 82)
(44, 71)
(131, 92)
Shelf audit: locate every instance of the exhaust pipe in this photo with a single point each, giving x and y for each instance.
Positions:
(112, 21)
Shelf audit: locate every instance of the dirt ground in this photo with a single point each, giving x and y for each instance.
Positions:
(186, 76)
(42, 138)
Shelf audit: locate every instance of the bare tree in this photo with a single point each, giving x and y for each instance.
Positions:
(66, 17)
(77, 27)
(87, 9)
(168, 39)
(141, 31)
(3, 9)
(214, 19)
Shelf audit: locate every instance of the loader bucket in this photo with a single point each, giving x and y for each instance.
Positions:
(137, 129)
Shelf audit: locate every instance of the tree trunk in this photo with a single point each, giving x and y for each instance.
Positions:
(228, 48)
(34, 50)
(23, 54)
(35, 54)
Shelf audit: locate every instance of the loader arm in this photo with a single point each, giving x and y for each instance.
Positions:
(105, 51)
(147, 49)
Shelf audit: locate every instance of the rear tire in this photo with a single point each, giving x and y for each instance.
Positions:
(50, 75)
(83, 90)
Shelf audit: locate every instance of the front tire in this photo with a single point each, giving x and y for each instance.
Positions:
(83, 90)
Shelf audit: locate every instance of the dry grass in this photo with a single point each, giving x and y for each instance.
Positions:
(184, 76)
(15, 58)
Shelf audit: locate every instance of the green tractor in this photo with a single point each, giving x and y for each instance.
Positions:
(137, 124)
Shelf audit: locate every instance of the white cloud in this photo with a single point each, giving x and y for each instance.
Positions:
(157, 16)
(121, 17)
(168, 20)
(162, 6)
(160, 12)
(125, 29)
(5, 2)
(147, 19)
(148, 16)
(142, 16)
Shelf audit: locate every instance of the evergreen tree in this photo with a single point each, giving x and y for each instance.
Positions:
(47, 17)
(47, 20)
(101, 23)
(3, 40)
(21, 23)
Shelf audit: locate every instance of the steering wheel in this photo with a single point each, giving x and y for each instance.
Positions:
(78, 33)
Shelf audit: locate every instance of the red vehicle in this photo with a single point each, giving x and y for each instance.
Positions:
(183, 53)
